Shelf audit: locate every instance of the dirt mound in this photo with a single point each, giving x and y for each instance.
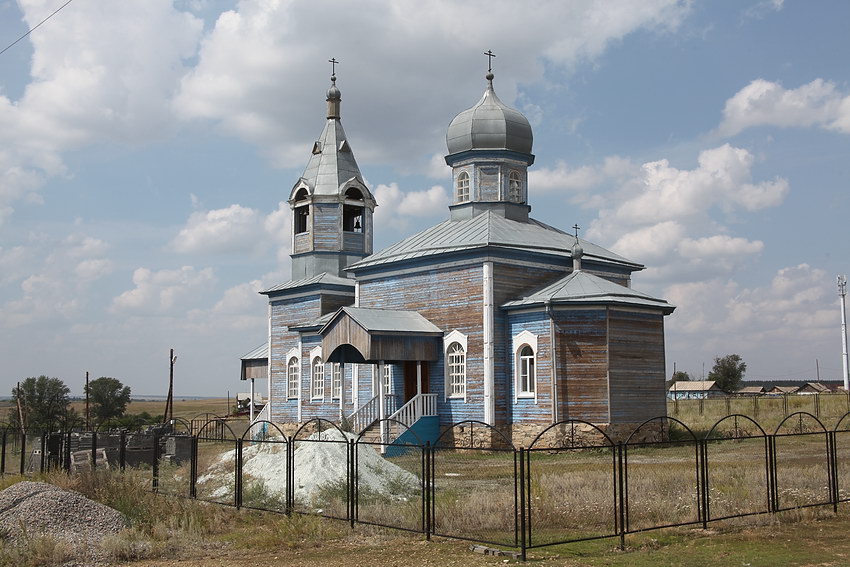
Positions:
(37, 508)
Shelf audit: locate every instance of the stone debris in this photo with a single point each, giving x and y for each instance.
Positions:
(28, 509)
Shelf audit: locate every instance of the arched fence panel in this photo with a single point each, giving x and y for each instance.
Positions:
(265, 468)
(215, 462)
(475, 491)
(801, 463)
(662, 476)
(389, 477)
(571, 474)
(841, 450)
(736, 459)
(322, 464)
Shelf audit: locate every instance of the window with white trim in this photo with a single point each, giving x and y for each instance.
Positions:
(456, 362)
(293, 377)
(318, 388)
(463, 187)
(514, 187)
(526, 376)
(336, 381)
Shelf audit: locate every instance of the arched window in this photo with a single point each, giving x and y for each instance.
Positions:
(463, 187)
(515, 187)
(456, 362)
(526, 373)
(352, 213)
(318, 389)
(293, 377)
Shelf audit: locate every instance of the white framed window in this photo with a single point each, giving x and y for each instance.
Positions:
(515, 187)
(293, 377)
(317, 392)
(463, 187)
(388, 379)
(527, 375)
(456, 361)
(336, 381)
(525, 365)
(455, 351)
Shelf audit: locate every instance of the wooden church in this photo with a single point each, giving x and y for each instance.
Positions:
(490, 315)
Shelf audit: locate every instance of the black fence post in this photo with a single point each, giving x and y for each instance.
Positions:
(771, 469)
(621, 493)
(122, 451)
(290, 474)
(522, 554)
(3, 456)
(23, 452)
(43, 455)
(237, 492)
(155, 464)
(193, 468)
(94, 451)
(702, 484)
(832, 466)
(426, 490)
(353, 485)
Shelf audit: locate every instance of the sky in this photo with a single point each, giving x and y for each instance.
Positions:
(147, 149)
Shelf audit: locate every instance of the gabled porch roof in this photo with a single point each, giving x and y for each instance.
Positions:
(359, 335)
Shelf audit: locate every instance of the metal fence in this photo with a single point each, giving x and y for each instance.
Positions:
(572, 483)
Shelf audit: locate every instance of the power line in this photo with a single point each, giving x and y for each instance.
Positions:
(5, 49)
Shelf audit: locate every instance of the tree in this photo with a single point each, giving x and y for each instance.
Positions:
(109, 398)
(728, 372)
(44, 403)
(679, 376)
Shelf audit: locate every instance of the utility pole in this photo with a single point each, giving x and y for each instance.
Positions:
(88, 420)
(169, 401)
(842, 292)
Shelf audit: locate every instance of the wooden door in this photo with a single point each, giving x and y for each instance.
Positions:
(410, 379)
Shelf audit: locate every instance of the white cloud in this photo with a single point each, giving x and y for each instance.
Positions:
(234, 229)
(765, 103)
(163, 291)
(250, 77)
(105, 71)
(397, 207)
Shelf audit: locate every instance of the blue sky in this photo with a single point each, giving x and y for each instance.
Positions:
(147, 148)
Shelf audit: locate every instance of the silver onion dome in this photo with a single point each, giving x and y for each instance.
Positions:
(489, 125)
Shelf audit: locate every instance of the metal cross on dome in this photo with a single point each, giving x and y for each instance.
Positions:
(489, 53)
(333, 63)
(577, 228)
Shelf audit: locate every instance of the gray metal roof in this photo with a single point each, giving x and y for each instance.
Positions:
(584, 287)
(259, 353)
(314, 324)
(489, 125)
(488, 229)
(323, 278)
(390, 320)
(332, 163)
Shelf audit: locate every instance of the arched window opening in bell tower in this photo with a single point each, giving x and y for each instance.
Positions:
(515, 187)
(463, 187)
(302, 218)
(352, 211)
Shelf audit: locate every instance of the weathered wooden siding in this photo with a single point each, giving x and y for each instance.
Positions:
(487, 183)
(353, 242)
(255, 369)
(284, 313)
(510, 282)
(332, 302)
(582, 354)
(450, 298)
(521, 410)
(637, 373)
(327, 226)
(302, 242)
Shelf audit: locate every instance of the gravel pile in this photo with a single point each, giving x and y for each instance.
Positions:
(39, 508)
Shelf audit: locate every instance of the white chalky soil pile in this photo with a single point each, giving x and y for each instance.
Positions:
(318, 465)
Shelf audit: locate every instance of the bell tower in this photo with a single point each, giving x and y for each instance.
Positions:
(331, 205)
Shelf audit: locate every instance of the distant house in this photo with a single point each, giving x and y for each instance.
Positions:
(694, 390)
(813, 388)
(782, 390)
(751, 391)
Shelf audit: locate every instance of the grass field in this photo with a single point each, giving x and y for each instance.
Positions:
(183, 407)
